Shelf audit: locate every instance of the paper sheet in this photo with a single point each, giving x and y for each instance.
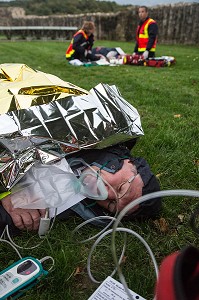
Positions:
(111, 289)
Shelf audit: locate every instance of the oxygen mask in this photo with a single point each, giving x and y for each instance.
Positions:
(90, 183)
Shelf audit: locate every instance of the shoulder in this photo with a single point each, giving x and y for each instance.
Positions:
(152, 22)
(79, 33)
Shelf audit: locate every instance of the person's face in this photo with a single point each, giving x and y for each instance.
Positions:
(143, 14)
(120, 186)
(91, 31)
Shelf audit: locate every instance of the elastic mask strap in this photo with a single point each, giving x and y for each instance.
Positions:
(106, 163)
(91, 204)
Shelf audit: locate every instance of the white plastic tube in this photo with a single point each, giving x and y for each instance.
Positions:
(189, 193)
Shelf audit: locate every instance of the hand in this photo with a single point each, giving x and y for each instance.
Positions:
(145, 54)
(85, 53)
(23, 218)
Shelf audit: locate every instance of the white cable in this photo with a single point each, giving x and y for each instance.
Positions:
(3, 233)
(46, 258)
(100, 232)
(33, 247)
(98, 217)
(91, 252)
(131, 205)
(126, 230)
(17, 246)
(153, 195)
(5, 241)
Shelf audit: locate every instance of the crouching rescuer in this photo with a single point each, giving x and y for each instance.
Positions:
(81, 44)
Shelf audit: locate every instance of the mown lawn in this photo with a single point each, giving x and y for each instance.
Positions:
(168, 102)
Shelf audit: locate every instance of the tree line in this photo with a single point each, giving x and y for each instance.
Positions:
(57, 7)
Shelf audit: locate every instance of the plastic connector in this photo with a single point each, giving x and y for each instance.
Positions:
(44, 225)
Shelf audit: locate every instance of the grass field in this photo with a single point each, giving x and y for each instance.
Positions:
(168, 102)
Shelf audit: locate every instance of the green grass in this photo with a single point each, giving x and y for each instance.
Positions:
(170, 145)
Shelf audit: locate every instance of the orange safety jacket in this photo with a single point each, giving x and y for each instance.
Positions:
(143, 36)
(70, 51)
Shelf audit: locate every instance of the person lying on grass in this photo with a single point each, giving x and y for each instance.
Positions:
(125, 178)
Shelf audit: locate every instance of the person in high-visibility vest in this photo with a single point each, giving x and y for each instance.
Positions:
(146, 34)
(81, 44)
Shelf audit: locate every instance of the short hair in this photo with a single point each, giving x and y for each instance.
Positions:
(145, 7)
(87, 26)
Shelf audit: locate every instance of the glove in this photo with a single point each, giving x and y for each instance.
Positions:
(85, 53)
(145, 54)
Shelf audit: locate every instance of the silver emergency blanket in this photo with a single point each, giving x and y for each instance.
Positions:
(43, 118)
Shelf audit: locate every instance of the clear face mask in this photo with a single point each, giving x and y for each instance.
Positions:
(90, 183)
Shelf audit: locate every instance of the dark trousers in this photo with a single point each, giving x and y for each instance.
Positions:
(151, 54)
(83, 58)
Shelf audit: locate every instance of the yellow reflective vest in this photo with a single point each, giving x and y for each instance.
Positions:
(70, 51)
(143, 36)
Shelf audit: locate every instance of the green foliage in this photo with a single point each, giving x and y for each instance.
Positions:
(49, 7)
(167, 100)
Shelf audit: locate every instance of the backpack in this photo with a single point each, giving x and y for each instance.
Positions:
(163, 61)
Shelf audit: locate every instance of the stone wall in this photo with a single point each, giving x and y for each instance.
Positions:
(178, 23)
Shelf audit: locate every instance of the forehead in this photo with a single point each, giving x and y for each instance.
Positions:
(142, 10)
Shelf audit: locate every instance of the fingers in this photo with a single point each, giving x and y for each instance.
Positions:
(18, 222)
(42, 212)
(33, 219)
(23, 218)
(26, 219)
